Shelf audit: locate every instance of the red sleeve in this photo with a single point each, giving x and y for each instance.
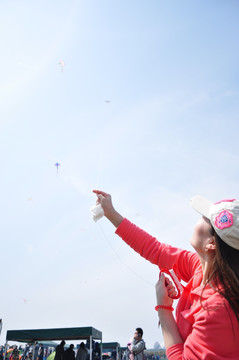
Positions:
(158, 253)
(175, 352)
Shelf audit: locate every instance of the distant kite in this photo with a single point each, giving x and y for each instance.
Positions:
(57, 166)
(62, 65)
(107, 101)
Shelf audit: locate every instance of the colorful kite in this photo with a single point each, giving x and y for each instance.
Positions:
(57, 166)
(62, 65)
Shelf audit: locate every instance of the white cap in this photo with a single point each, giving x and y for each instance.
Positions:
(224, 217)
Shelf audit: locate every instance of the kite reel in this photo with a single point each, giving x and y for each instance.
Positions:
(175, 280)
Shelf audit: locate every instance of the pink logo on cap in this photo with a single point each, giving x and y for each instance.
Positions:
(224, 220)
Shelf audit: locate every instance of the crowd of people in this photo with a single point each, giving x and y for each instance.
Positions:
(41, 352)
(26, 352)
(135, 350)
(82, 353)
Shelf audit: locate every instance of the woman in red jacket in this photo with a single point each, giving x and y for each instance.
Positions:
(206, 325)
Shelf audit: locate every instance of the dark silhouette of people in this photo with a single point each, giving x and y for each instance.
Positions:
(15, 353)
(40, 352)
(1, 352)
(96, 351)
(69, 353)
(82, 352)
(60, 351)
(36, 351)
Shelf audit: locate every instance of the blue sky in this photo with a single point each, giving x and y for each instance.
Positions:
(170, 70)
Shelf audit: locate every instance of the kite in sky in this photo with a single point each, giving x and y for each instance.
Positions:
(107, 101)
(57, 166)
(62, 65)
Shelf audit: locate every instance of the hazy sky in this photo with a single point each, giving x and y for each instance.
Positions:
(170, 70)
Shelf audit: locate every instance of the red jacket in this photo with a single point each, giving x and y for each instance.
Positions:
(205, 320)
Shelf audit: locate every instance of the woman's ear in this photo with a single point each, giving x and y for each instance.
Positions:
(211, 245)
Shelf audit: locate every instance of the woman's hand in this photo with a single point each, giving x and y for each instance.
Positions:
(165, 290)
(105, 201)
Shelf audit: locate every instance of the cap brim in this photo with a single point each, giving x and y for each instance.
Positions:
(201, 205)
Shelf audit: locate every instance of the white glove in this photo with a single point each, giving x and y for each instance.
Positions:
(97, 212)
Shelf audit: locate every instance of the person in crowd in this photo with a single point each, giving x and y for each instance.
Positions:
(59, 355)
(15, 353)
(136, 346)
(36, 351)
(26, 351)
(40, 352)
(206, 326)
(1, 352)
(69, 353)
(45, 353)
(96, 351)
(29, 356)
(82, 352)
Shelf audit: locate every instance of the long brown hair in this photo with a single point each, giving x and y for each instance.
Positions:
(224, 274)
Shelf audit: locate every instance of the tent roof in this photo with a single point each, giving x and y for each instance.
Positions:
(110, 346)
(29, 336)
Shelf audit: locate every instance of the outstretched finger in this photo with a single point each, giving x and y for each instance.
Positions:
(99, 192)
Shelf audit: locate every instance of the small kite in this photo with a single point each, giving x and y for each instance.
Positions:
(62, 65)
(107, 101)
(57, 166)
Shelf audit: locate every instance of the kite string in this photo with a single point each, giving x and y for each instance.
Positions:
(99, 169)
(120, 260)
(101, 229)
